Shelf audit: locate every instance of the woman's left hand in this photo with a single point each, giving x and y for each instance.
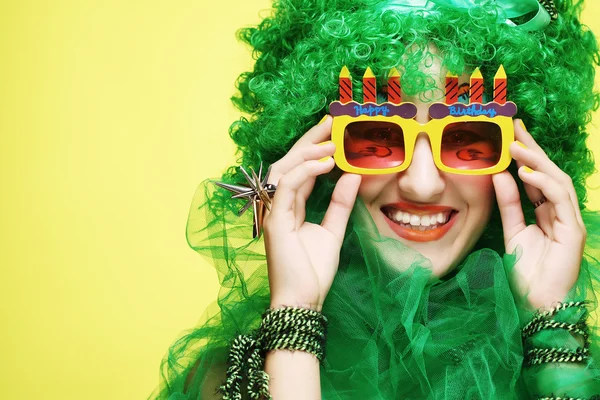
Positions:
(552, 248)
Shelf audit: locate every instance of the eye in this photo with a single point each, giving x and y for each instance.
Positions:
(384, 137)
(461, 138)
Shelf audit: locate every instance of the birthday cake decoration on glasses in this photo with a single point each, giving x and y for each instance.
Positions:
(454, 108)
(346, 106)
(466, 139)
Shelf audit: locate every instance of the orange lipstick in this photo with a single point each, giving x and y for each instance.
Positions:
(416, 235)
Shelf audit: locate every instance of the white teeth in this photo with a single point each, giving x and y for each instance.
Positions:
(419, 222)
(440, 218)
(406, 218)
(415, 220)
(398, 216)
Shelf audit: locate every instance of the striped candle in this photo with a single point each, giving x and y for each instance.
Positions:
(369, 87)
(345, 86)
(476, 92)
(394, 90)
(500, 86)
(451, 88)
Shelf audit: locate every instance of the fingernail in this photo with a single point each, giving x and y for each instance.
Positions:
(323, 119)
(527, 169)
(522, 125)
(521, 144)
(324, 143)
(324, 159)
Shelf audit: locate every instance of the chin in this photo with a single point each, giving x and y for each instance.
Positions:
(438, 243)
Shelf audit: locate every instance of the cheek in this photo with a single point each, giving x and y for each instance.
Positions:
(373, 186)
(476, 191)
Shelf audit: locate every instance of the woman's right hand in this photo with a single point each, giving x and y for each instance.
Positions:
(303, 257)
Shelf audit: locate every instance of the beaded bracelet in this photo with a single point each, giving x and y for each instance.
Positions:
(287, 328)
(543, 321)
(294, 329)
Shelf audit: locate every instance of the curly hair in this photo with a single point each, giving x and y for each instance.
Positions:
(302, 46)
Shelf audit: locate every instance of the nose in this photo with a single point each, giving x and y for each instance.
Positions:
(422, 182)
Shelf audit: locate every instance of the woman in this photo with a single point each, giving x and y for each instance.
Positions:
(430, 290)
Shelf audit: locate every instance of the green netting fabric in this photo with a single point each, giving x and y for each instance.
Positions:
(395, 332)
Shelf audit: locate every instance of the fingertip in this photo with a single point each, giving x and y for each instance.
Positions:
(500, 176)
(325, 119)
(325, 123)
(329, 146)
(520, 144)
(512, 148)
(524, 170)
(522, 135)
(520, 124)
(324, 165)
(351, 178)
(357, 178)
(497, 180)
(325, 143)
(321, 132)
(503, 182)
(351, 183)
(526, 174)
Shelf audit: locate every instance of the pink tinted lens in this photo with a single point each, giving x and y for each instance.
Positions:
(374, 144)
(471, 145)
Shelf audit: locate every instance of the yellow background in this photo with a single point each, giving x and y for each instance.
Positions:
(111, 112)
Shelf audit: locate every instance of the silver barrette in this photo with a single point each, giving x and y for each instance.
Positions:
(258, 194)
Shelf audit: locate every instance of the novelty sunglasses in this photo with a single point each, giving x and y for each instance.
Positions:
(466, 139)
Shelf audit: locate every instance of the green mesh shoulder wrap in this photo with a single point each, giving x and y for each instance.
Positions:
(394, 331)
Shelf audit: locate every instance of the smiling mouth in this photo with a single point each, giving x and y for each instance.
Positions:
(418, 222)
(422, 227)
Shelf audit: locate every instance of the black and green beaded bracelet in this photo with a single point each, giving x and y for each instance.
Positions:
(288, 328)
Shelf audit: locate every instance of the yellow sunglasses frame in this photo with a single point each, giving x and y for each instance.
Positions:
(411, 129)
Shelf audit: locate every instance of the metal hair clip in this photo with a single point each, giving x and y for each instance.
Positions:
(258, 195)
